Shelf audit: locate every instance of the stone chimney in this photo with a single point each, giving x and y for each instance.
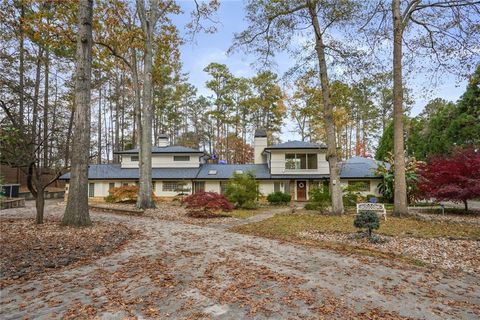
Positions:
(162, 140)
(260, 142)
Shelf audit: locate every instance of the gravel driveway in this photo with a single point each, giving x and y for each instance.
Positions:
(182, 271)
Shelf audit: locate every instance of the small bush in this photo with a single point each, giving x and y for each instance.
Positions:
(242, 190)
(311, 206)
(350, 199)
(110, 199)
(319, 199)
(125, 194)
(278, 198)
(367, 220)
(205, 204)
(122, 194)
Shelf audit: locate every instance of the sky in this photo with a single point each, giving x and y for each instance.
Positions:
(207, 48)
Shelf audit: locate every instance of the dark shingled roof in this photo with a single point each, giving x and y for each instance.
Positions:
(356, 167)
(168, 149)
(225, 171)
(114, 171)
(296, 145)
(359, 167)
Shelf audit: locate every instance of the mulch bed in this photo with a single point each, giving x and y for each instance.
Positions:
(28, 249)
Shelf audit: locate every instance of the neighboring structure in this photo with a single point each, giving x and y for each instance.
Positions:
(293, 167)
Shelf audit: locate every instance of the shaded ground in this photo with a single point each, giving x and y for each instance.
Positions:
(184, 271)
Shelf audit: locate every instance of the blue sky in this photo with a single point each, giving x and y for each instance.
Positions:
(208, 48)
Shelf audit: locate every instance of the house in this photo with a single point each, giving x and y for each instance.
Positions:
(293, 167)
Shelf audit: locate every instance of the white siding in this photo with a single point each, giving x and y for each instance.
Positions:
(278, 163)
(212, 186)
(164, 161)
(160, 193)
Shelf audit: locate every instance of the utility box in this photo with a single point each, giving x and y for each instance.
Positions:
(10, 190)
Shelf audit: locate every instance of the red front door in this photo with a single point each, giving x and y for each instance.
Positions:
(301, 190)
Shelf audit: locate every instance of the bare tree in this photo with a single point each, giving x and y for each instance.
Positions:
(76, 212)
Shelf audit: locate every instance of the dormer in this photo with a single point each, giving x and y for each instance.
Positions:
(297, 157)
(164, 156)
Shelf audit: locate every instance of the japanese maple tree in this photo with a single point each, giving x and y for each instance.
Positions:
(454, 178)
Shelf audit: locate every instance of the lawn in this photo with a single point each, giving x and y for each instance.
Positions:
(285, 226)
(448, 245)
(242, 213)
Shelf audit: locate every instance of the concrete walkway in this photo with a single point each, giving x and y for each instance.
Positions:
(181, 271)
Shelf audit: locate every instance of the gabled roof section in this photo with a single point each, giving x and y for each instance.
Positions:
(168, 149)
(359, 167)
(225, 171)
(296, 145)
(115, 172)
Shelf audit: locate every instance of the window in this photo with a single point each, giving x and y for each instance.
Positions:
(134, 158)
(125, 184)
(312, 161)
(290, 161)
(199, 186)
(278, 187)
(153, 186)
(111, 185)
(181, 158)
(363, 185)
(91, 189)
(301, 161)
(223, 186)
(212, 172)
(170, 186)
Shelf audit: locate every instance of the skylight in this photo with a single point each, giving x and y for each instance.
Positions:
(239, 171)
(212, 172)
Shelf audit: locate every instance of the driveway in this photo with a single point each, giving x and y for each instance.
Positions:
(182, 271)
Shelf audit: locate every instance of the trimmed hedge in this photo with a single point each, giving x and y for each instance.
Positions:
(278, 198)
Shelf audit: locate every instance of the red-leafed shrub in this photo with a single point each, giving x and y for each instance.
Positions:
(454, 178)
(206, 204)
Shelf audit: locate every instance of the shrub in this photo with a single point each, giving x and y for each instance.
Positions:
(367, 220)
(122, 194)
(242, 190)
(350, 198)
(127, 194)
(205, 204)
(311, 206)
(319, 199)
(278, 198)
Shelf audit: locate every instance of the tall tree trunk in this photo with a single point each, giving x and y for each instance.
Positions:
(335, 189)
(400, 186)
(21, 68)
(36, 94)
(137, 113)
(76, 212)
(39, 204)
(45, 110)
(99, 120)
(148, 20)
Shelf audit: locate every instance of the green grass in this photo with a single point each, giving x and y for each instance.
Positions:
(287, 226)
(242, 213)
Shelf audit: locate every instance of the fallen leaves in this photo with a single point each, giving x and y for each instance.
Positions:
(463, 255)
(28, 249)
